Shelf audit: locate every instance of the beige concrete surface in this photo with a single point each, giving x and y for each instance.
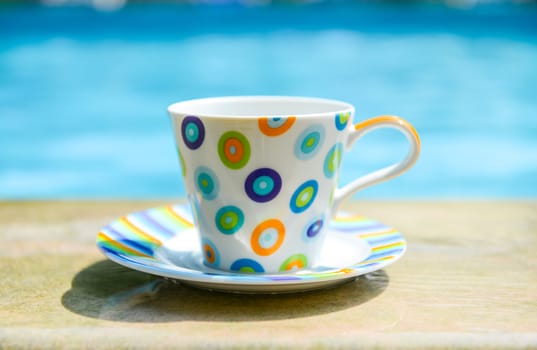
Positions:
(468, 280)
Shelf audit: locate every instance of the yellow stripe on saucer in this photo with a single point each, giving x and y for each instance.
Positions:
(384, 258)
(119, 246)
(169, 210)
(139, 231)
(378, 233)
(388, 246)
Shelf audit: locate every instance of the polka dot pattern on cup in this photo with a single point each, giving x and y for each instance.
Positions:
(192, 132)
(234, 150)
(206, 182)
(341, 120)
(313, 229)
(229, 219)
(210, 253)
(304, 196)
(294, 262)
(263, 185)
(267, 237)
(238, 171)
(246, 266)
(275, 126)
(332, 161)
(309, 142)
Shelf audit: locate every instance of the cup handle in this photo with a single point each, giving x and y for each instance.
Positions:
(384, 174)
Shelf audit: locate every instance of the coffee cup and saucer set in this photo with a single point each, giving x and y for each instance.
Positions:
(261, 176)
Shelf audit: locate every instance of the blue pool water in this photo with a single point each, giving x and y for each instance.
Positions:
(83, 94)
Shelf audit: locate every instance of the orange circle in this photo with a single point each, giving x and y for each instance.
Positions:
(209, 253)
(258, 231)
(269, 131)
(239, 150)
(297, 263)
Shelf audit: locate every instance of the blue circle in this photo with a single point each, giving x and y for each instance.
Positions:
(268, 238)
(229, 219)
(206, 182)
(309, 142)
(263, 185)
(246, 265)
(193, 132)
(332, 161)
(304, 196)
(341, 120)
(313, 228)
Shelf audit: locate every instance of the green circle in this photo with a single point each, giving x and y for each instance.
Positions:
(333, 160)
(307, 193)
(205, 183)
(245, 149)
(229, 219)
(301, 258)
(247, 269)
(310, 142)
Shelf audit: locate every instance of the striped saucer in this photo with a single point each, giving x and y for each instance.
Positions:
(163, 241)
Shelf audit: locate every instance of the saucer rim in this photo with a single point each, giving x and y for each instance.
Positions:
(236, 277)
(241, 281)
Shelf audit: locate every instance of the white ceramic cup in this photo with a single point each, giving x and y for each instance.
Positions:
(261, 174)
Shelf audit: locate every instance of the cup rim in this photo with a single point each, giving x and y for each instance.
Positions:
(188, 107)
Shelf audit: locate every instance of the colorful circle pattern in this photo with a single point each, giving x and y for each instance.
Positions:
(275, 126)
(193, 132)
(263, 184)
(267, 237)
(210, 253)
(309, 142)
(229, 219)
(304, 196)
(234, 150)
(313, 229)
(294, 262)
(247, 266)
(206, 182)
(332, 160)
(342, 119)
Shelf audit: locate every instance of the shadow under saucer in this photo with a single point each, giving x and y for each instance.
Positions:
(110, 291)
